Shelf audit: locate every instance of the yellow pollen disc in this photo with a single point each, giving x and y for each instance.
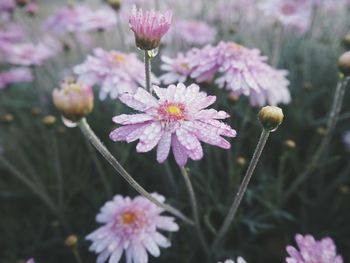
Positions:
(235, 46)
(185, 66)
(174, 110)
(128, 218)
(119, 58)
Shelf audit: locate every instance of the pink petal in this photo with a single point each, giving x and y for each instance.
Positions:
(163, 147)
(179, 151)
(150, 137)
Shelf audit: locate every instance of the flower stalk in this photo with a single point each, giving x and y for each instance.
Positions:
(148, 71)
(95, 141)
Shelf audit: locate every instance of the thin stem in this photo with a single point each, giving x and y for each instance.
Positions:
(148, 71)
(243, 187)
(194, 206)
(331, 124)
(76, 255)
(57, 164)
(95, 141)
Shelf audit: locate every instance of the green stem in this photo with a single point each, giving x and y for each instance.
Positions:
(195, 210)
(95, 141)
(59, 175)
(242, 189)
(148, 71)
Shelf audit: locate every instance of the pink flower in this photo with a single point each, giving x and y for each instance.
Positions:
(178, 69)
(177, 120)
(239, 260)
(116, 72)
(245, 72)
(193, 32)
(149, 27)
(31, 260)
(346, 140)
(10, 32)
(311, 250)
(27, 54)
(7, 5)
(15, 76)
(130, 225)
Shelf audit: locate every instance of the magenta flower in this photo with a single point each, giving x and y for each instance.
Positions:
(31, 260)
(130, 225)
(177, 120)
(149, 27)
(16, 75)
(239, 260)
(116, 72)
(7, 5)
(177, 69)
(310, 250)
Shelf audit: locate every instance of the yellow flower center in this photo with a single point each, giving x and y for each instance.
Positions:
(128, 218)
(235, 47)
(174, 110)
(119, 58)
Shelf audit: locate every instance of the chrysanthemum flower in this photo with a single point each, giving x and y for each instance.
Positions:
(177, 120)
(149, 27)
(310, 250)
(16, 75)
(177, 69)
(130, 225)
(116, 72)
(239, 260)
(193, 32)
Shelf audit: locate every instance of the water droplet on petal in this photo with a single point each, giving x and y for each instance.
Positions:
(153, 53)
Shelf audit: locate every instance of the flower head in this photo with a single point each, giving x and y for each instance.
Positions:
(16, 75)
(116, 72)
(130, 225)
(31, 260)
(310, 250)
(177, 119)
(149, 27)
(74, 100)
(239, 260)
(178, 69)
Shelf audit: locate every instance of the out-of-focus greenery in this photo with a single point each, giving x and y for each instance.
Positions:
(76, 181)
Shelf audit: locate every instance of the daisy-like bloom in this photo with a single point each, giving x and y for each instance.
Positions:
(80, 18)
(17, 75)
(346, 140)
(193, 32)
(239, 260)
(116, 72)
(27, 54)
(10, 33)
(178, 119)
(245, 72)
(177, 69)
(310, 250)
(149, 27)
(130, 225)
(7, 6)
(296, 14)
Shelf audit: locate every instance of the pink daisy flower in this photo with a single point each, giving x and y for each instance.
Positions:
(177, 119)
(116, 72)
(7, 5)
(31, 260)
(149, 27)
(239, 260)
(177, 69)
(27, 54)
(193, 32)
(131, 226)
(245, 72)
(17, 75)
(310, 250)
(10, 32)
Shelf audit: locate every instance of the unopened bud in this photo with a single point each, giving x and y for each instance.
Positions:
(344, 64)
(270, 117)
(49, 120)
(344, 189)
(22, 3)
(321, 131)
(233, 98)
(74, 100)
(35, 111)
(241, 161)
(346, 41)
(32, 9)
(115, 4)
(290, 144)
(7, 118)
(71, 241)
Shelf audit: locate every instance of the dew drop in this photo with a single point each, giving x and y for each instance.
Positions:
(153, 53)
(68, 123)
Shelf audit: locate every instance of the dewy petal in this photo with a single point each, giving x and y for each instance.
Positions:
(151, 246)
(121, 133)
(179, 151)
(150, 137)
(131, 119)
(164, 147)
(116, 255)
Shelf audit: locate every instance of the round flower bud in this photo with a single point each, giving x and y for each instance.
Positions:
(49, 120)
(346, 41)
(7, 118)
(71, 241)
(74, 100)
(344, 64)
(290, 144)
(241, 161)
(270, 117)
(115, 4)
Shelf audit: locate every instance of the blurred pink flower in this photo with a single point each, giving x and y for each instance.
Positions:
(10, 32)
(310, 250)
(177, 69)
(16, 75)
(27, 54)
(31, 260)
(116, 72)
(245, 72)
(80, 18)
(149, 27)
(177, 120)
(239, 260)
(193, 32)
(130, 225)
(346, 140)
(296, 14)
(7, 5)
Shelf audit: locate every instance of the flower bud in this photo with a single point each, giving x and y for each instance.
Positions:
(270, 117)
(49, 120)
(115, 4)
(22, 3)
(344, 64)
(290, 144)
(71, 241)
(241, 161)
(7, 118)
(74, 100)
(346, 41)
